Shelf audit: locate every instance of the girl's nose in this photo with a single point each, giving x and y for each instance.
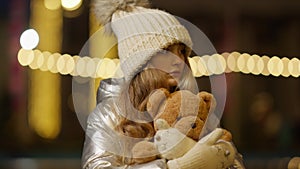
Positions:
(176, 60)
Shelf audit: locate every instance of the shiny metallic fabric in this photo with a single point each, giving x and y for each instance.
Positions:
(103, 146)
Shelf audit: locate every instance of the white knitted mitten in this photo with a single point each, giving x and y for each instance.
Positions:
(208, 153)
(170, 142)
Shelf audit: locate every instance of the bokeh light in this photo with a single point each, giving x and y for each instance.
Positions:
(91, 65)
(194, 67)
(294, 67)
(80, 67)
(232, 61)
(29, 39)
(200, 65)
(25, 57)
(65, 64)
(38, 60)
(285, 71)
(242, 63)
(52, 62)
(204, 66)
(275, 66)
(216, 64)
(225, 55)
(44, 66)
(265, 70)
(52, 4)
(71, 5)
(255, 64)
(110, 68)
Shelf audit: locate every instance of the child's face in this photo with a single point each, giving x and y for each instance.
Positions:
(171, 61)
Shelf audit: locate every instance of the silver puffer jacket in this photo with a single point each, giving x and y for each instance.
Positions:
(102, 144)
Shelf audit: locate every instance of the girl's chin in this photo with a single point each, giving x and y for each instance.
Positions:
(177, 79)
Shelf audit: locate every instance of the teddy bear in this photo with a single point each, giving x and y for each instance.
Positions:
(181, 110)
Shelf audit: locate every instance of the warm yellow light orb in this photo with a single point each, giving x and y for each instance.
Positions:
(25, 57)
(197, 72)
(275, 66)
(265, 70)
(64, 64)
(294, 67)
(225, 56)
(101, 67)
(81, 66)
(216, 64)
(96, 62)
(285, 70)
(221, 64)
(110, 68)
(232, 61)
(75, 60)
(29, 39)
(91, 67)
(193, 65)
(52, 62)
(203, 66)
(70, 64)
(260, 66)
(71, 5)
(250, 64)
(242, 63)
(37, 61)
(46, 55)
(52, 4)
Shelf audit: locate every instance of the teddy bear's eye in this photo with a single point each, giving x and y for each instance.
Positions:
(193, 125)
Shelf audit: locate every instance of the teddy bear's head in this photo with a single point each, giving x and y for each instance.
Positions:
(181, 109)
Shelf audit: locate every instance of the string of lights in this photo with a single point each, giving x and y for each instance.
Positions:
(201, 66)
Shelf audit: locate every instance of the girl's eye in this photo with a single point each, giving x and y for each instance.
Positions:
(182, 50)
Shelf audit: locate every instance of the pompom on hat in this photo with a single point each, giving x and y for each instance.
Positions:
(141, 31)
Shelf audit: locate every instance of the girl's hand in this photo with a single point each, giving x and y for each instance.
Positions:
(208, 153)
(170, 142)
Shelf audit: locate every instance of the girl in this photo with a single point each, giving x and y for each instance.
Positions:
(153, 48)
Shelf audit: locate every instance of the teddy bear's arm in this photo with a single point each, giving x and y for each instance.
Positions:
(156, 100)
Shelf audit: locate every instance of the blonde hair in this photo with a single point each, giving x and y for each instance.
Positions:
(134, 97)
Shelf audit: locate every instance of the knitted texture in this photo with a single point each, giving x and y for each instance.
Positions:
(141, 33)
(206, 154)
(172, 144)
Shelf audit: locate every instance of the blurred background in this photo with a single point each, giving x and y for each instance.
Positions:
(39, 127)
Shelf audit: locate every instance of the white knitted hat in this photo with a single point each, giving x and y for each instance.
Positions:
(141, 32)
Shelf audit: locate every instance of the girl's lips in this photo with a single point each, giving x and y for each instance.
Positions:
(175, 74)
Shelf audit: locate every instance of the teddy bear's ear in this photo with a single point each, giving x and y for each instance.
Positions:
(161, 124)
(208, 98)
(156, 100)
(207, 102)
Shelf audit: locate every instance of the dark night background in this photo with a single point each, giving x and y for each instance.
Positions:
(262, 112)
